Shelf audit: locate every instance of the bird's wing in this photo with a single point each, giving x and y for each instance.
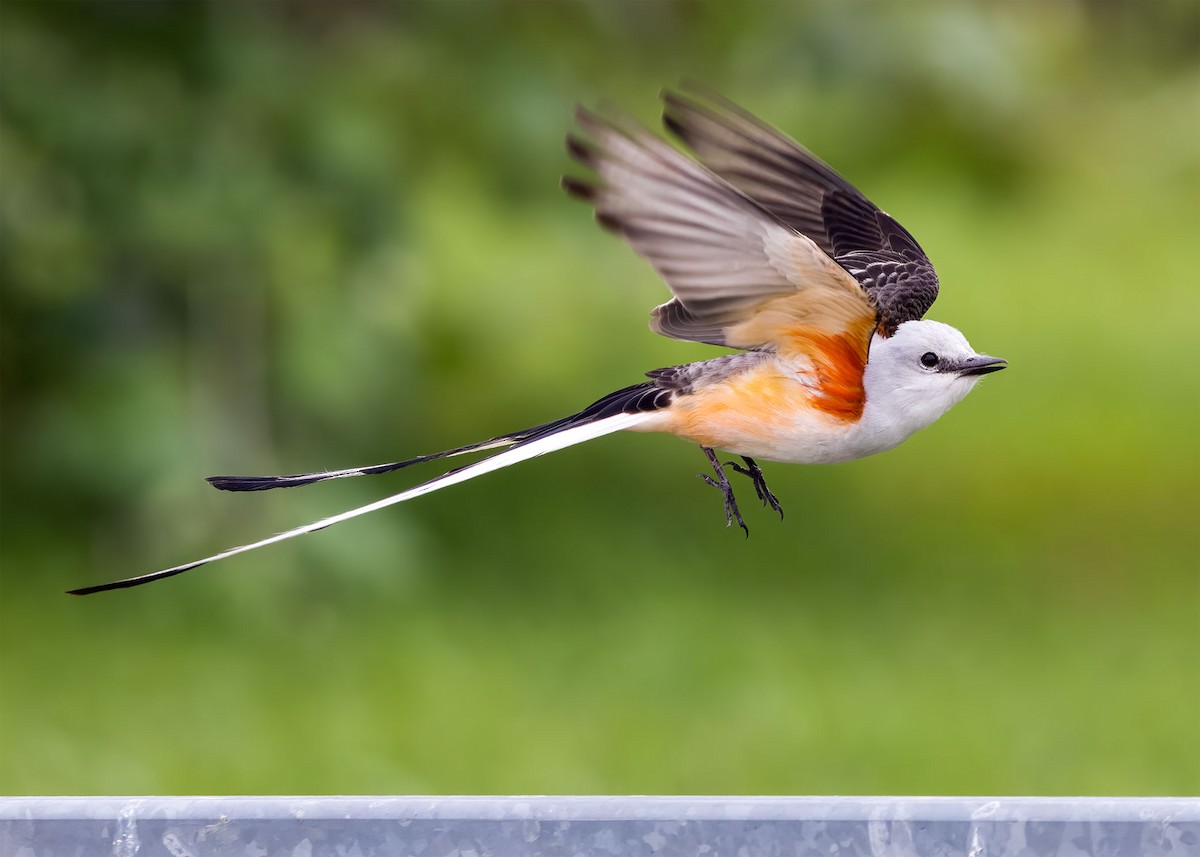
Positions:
(740, 277)
(806, 194)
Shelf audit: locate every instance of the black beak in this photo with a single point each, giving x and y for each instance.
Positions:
(980, 364)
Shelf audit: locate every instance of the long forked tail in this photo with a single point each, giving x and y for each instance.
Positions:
(264, 483)
(621, 410)
(647, 396)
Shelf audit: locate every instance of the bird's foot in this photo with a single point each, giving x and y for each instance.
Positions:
(755, 473)
(732, 512)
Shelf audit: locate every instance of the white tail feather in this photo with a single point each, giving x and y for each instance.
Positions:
(523, 452)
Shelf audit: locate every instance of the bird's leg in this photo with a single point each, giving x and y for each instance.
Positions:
(722, 482)
(760, 483)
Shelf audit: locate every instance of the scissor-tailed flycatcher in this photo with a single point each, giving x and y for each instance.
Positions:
(767, 250)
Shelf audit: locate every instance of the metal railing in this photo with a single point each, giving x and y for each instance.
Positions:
(503, 826)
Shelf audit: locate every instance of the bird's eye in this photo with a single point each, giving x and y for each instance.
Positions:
(929, 360)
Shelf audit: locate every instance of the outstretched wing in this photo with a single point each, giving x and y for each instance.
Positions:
(740, 276)
(806, 194)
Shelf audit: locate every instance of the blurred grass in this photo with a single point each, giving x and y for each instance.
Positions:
(278, 237)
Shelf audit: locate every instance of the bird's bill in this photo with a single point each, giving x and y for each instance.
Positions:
(980, 364)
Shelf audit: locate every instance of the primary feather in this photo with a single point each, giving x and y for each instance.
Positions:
(724, 257)
(808, 195)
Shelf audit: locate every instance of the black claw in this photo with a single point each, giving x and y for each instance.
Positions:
(732, 512)
(755, 473)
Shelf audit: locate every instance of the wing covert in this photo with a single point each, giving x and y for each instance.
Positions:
(804, 192)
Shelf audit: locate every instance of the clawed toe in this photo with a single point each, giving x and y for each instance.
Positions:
(721, 482)
(754, 472)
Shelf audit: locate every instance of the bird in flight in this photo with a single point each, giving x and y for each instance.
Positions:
(766, 250)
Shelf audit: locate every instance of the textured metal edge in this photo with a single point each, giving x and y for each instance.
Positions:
(622, 808)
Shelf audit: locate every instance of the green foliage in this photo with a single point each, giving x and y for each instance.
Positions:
(277, 237)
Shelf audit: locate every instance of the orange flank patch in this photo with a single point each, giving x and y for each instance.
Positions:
(755, 405)
(838, 361)
(816, 373)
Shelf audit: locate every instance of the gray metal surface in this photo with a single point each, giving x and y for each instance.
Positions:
(502, 826)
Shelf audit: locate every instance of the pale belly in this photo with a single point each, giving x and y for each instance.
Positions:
(783, 426)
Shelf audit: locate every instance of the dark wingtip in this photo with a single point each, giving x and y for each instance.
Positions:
(671, 98)
(581, 150)
(579, 189)
(585, 117)
(676, 106)
(672, 124)
(610, 222)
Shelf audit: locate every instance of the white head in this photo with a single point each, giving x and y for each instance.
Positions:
(918, 373)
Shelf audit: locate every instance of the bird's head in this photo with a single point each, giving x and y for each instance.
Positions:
(921, 371)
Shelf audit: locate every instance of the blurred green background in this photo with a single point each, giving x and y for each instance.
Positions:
(247, 238)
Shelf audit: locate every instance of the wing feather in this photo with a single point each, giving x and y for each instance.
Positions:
(807, 194)
(723, 255)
